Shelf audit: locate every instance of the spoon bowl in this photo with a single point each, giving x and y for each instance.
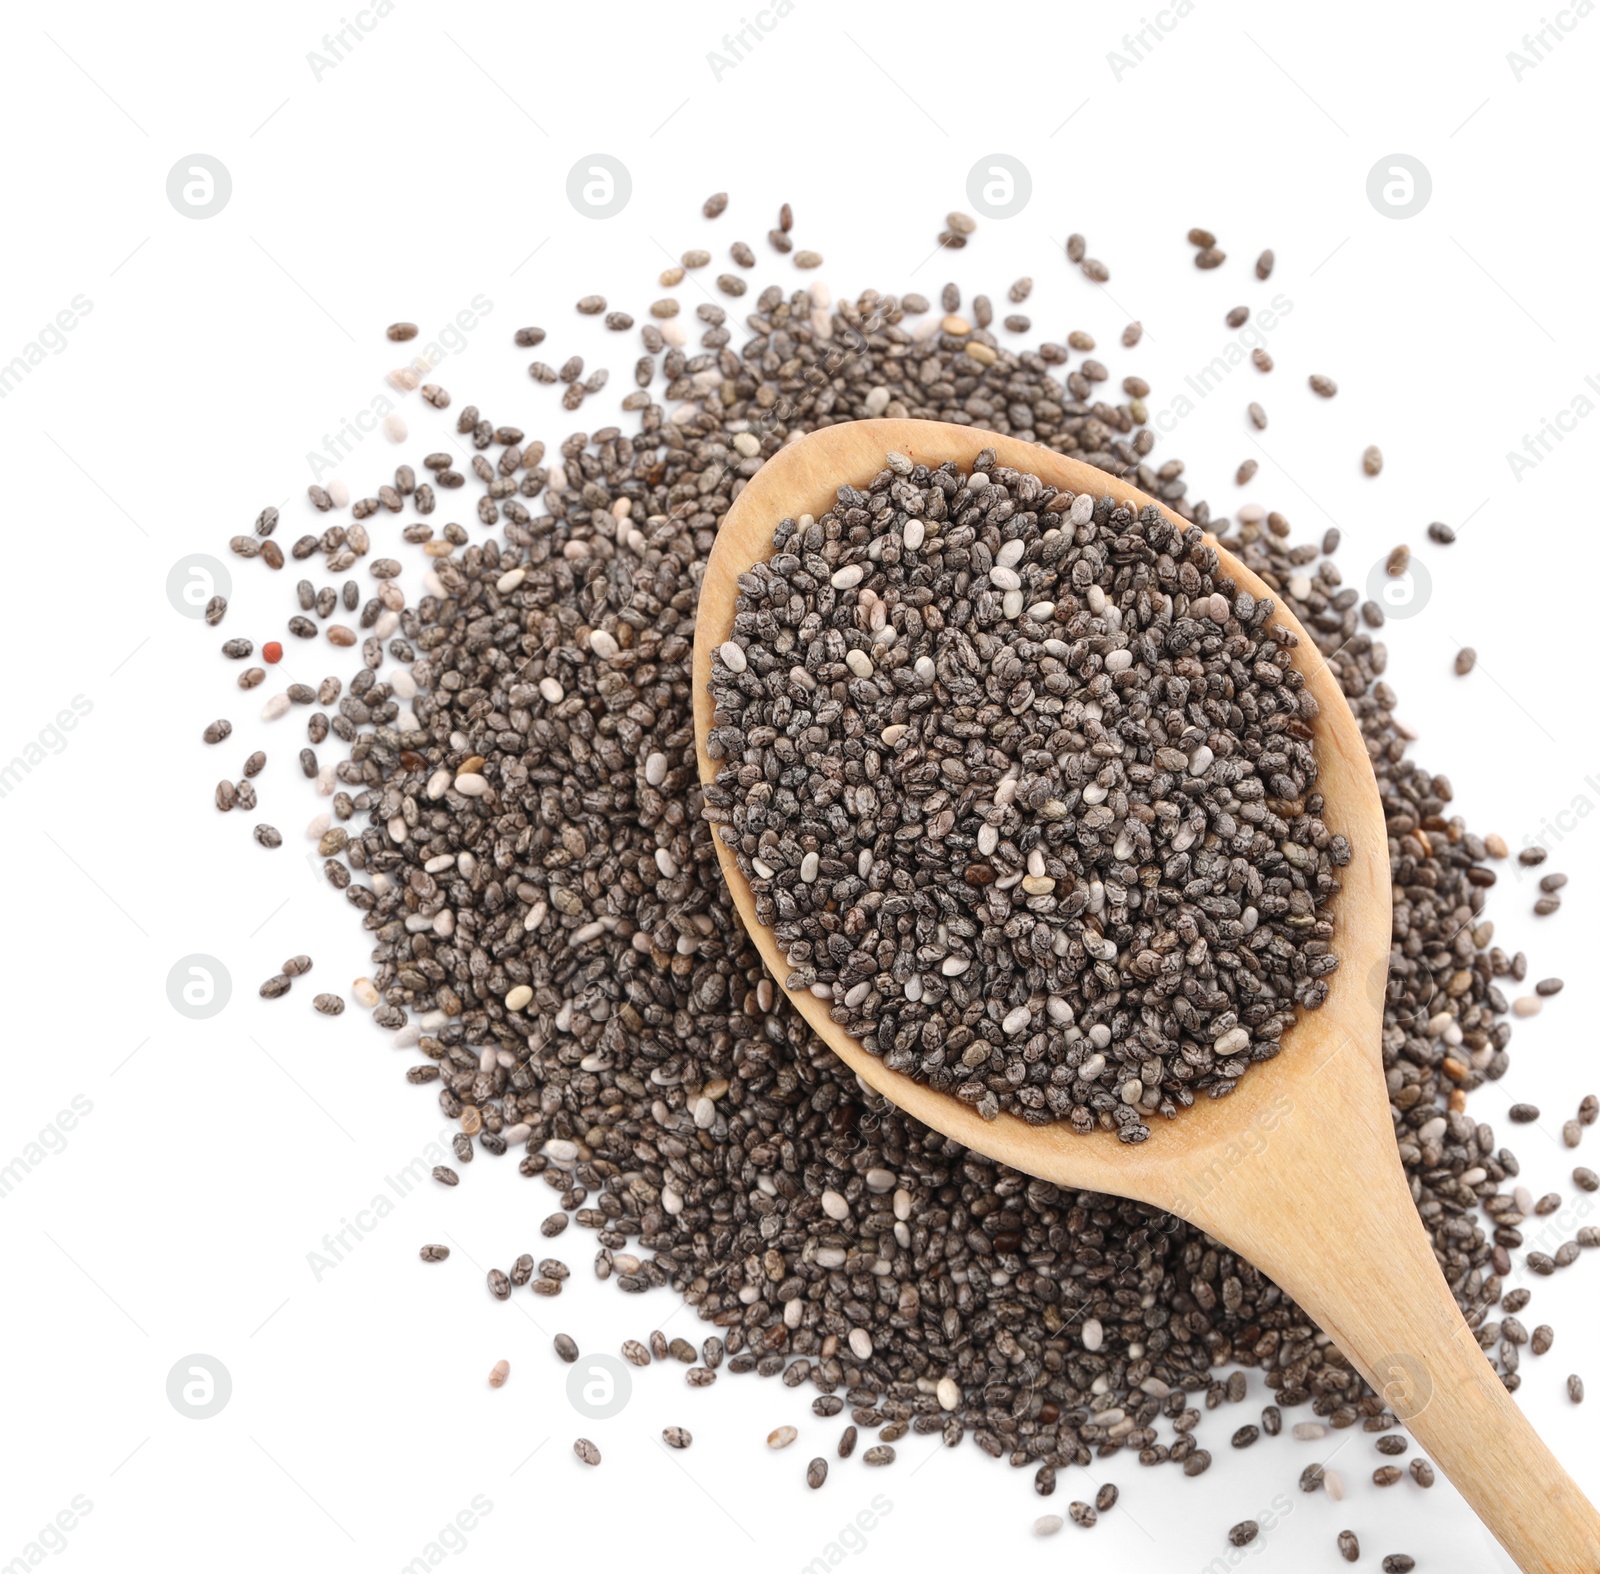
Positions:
(1297, 1168)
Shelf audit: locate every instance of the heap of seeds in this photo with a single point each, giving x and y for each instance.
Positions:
(1026, 789)
(552, 934)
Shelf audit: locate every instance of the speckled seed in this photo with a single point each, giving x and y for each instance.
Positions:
(329, 1005)
(1324, 387)
(1575, 1389)
(566, 1347)
(878, 1454)
(1244, 1533)
(781, 1436)
(816, 1473)
(217, 731)
(399, 332)
(676, 1436)
(1398, 1563)
(268, 836)
(1372, 459)
(434, 1253)
(445, 1175)
(586, 1451)
(1349, 1546)
(634, 1353)
(498, 1373)
(1466, 660)
(1422, 1472)
(1083, 1515)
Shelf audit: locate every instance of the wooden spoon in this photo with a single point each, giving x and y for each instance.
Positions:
(1297, 1169)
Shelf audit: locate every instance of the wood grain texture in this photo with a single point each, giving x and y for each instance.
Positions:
(1297, 1169)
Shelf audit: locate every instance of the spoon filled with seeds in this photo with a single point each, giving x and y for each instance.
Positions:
(1056, 827)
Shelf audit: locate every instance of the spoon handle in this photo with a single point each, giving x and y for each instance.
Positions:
(1359, 1261)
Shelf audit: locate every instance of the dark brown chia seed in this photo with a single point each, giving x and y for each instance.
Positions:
(434, 1253)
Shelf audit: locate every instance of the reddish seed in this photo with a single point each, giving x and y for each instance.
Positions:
(272, 651)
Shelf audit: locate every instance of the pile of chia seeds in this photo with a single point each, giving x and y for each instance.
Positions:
(1025, 787)
(519, 822)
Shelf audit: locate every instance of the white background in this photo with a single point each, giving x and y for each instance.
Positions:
(427, 167)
